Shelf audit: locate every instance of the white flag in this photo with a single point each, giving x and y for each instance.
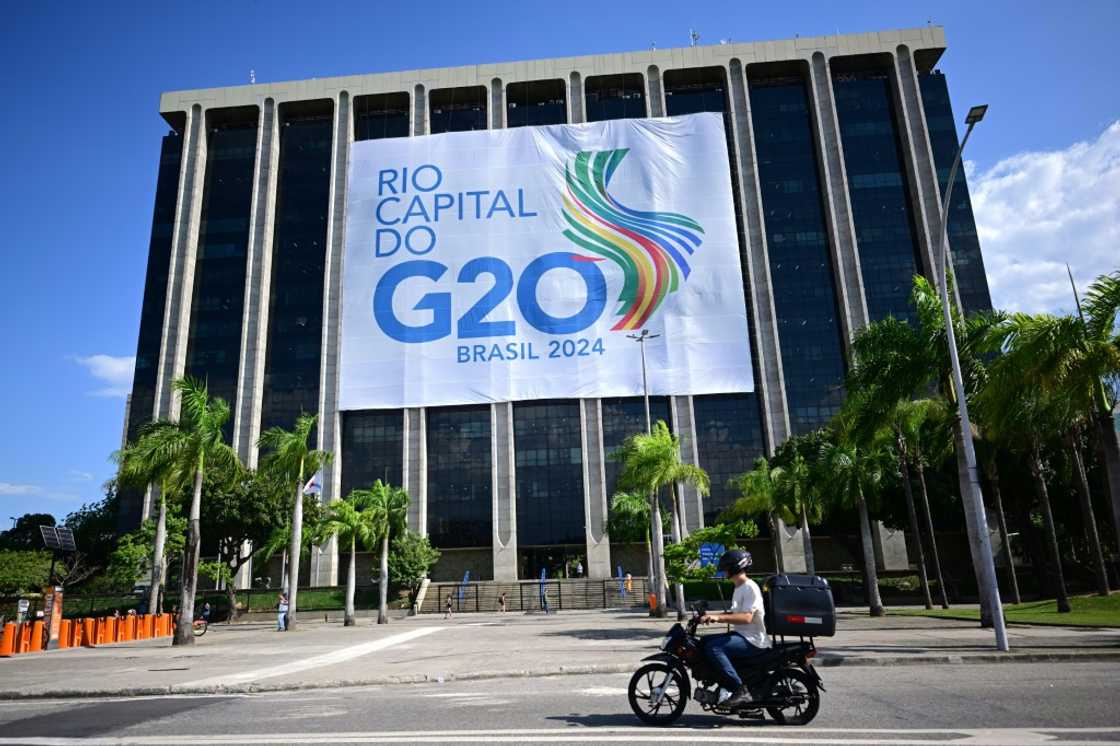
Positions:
(314, 485)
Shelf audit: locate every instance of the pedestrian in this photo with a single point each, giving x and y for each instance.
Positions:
(579, 569)
(502, 603)
(629, 583)
(447, 608)
(282, 613)
(206, 612)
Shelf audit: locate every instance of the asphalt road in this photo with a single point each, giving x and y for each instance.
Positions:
(1009, 703)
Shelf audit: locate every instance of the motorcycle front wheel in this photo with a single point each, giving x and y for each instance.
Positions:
(657, 694)
(801, 694)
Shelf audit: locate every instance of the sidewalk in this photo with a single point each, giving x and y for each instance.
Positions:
(254, 657)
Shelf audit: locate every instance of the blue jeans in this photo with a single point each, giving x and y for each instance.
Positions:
(721, 650)
(281, 622)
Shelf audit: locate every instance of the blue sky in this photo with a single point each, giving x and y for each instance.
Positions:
(81, 141)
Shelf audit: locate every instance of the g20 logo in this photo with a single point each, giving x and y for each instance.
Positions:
(474, 323)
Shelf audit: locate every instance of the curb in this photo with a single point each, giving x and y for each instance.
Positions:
(824, 661)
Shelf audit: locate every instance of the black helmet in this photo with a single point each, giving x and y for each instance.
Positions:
(734, 561)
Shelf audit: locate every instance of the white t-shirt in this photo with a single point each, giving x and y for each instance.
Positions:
(748, 597)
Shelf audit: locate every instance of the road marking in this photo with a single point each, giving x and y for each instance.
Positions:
(840, 737)
(316, 661)
(602, 691)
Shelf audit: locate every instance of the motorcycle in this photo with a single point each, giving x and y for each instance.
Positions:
(782, 681)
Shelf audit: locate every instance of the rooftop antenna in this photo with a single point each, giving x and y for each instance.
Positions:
(693, 37)
(252, 77)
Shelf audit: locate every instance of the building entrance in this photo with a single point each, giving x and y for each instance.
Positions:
(558, 561)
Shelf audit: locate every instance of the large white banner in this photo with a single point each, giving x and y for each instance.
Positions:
(514, 264)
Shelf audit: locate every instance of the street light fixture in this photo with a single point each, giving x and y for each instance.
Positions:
(657, 545)
(975, 496)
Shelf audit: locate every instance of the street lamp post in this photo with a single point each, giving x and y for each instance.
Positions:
(657, 543)
(975, 497)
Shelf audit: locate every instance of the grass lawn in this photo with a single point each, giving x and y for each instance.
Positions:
(1087, 611)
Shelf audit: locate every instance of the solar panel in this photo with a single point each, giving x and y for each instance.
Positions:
(66, 539)
(50, 537)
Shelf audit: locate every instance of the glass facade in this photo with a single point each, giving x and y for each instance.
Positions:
(800, 261)
(549, 461)
(535, 103)
(694, 90)
(295, 315)
(383, 115)
(155, 285)
(623, 417)
(458, 109)
(968, 263)
(214, 341)
(614, 97)
(729, 439)
(372, 448)
(881, 205)
(459, 476)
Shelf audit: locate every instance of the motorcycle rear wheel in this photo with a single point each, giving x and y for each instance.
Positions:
(792, 683)
(643, 689)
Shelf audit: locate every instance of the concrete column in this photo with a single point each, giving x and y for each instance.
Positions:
(756, 268)
(325, 559)
(655, 92)
(792, 549)
(594, 490)
(837, 201)
(419, 110)
(497, 118)
(414, 468)
(575, 98)
(890, 547)
(184, 246)
(684, 425)
(503, 492)
(920, 170)
(258, 279)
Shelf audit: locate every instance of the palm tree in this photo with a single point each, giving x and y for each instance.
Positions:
(854, 472)
(388, 509)
(651, 462)
(628, 519)
(141, 468)
(189, 447)
(292, 459)
(1077, 357)
(353, 522)
(797, 482)
(759, 490)
(1021, 417)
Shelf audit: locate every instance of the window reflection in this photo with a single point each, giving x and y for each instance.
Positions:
(614, 97)
(535, 103)
(459, 476)
(458, 109)
(549, 461)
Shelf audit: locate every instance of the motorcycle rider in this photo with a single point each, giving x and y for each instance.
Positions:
(748, 636)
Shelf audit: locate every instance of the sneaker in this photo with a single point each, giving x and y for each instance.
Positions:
(742, 696)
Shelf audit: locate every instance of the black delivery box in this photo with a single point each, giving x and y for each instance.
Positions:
(799, 606)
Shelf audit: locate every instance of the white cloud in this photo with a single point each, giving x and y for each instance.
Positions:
(1035, 212)
(115, 373)
(77, 475)
(13, 489)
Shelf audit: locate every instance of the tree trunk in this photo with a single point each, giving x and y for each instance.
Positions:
(776, 543)
(1073, 441)
(928, 518)
(294, 550)
(1109, 441)
(231, 597)
(658, 556)
(383, 581)
(184, 633)
(870, 574)
(157, 556)
(1005, 537)
(908, 489)
(649, 559)
(807, 542)
(351, 582)
(678, 534)
(1051, 532)
(971, 521)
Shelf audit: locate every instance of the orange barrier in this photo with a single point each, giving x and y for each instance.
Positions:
(8, 641)
(28, 637)
(64, 633)
(36, 637)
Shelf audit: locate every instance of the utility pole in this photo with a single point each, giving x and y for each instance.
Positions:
(657, 545)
